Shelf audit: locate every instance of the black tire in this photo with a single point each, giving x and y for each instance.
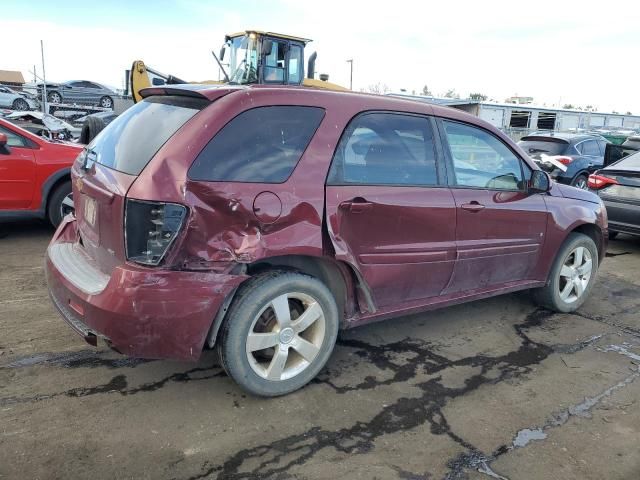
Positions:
(54, 205)
(20, 104)
(106, 102)
(253, 297)
(612, 235)
(581, 182)
(54, 97)
(91, 128)
(549, 295)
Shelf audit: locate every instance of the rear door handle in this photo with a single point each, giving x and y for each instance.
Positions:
(356, 205)
(472, 207)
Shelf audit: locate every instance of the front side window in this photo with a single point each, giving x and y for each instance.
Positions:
(13, 140)
(481, 160)
(385, 149)
(261, 145)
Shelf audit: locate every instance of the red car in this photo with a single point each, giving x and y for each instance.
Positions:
(35, 176)
(261, 220)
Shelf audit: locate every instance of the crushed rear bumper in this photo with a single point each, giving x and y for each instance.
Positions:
(141, 312)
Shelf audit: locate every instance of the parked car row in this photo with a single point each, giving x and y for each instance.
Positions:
(81, 92)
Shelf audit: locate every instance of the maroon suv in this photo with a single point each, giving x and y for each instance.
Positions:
(261, 220)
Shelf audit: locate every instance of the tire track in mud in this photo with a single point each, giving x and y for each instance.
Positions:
(276, 458)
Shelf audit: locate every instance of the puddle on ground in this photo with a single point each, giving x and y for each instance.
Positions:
(523, 437)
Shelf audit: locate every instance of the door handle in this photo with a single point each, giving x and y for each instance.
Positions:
(356, 205)
(472, 207)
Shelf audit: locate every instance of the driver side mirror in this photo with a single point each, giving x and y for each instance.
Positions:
(540, 182)
(267, 46)
(222, 49)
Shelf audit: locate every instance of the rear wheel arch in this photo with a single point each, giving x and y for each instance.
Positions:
(54, 181)
(338, 277)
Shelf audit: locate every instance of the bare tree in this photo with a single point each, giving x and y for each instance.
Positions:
(378, 88)
(451, 93)
(426, 92)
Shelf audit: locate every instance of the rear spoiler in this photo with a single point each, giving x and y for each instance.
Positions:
(613, 152)
(170, 90)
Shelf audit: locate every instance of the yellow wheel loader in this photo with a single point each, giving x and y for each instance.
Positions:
(253, 57)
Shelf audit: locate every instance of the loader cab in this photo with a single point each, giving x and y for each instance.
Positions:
(266, 58)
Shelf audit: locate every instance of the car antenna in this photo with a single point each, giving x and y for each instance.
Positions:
(226, 77)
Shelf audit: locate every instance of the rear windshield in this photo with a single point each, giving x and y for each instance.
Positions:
(538, 146)
(631, 162)
(133, 138)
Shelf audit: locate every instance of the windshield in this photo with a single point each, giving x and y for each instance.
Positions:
(243, 61)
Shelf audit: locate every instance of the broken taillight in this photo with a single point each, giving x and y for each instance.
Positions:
(150, 228)
(597, 182)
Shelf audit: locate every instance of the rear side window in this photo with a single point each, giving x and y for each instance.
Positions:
(261, 145)
(385, 149)
(591, 148)
(129, 142)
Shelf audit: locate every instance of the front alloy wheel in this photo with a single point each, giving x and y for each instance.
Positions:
(575, 275)
(572, 275)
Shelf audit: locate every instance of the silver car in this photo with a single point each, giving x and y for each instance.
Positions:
(14, 100)
(80, 92)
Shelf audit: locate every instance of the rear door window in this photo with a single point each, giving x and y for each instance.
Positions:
(481, 160)
(129, 142)
(385, 149)
(261, 145)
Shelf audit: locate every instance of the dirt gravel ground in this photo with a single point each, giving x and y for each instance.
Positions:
(492, 389)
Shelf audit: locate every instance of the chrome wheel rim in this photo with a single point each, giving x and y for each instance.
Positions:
(66, 206)
(55, 98)
(575, 275)
(106, 103)
(286, 336)
(581, 183)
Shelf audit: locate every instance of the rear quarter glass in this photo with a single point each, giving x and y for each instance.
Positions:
(261, 145)
(129, 142)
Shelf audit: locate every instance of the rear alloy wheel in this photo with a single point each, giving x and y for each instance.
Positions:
(20, 104)
(572, 275)
(106, 102)
(279, 333)
(580, 182)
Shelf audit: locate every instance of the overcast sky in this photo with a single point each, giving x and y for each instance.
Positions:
(559, 52)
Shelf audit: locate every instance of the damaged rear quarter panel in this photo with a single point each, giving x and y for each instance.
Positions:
(222, 228)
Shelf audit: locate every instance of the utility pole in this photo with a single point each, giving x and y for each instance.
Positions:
(350, 62)
(44, 81)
